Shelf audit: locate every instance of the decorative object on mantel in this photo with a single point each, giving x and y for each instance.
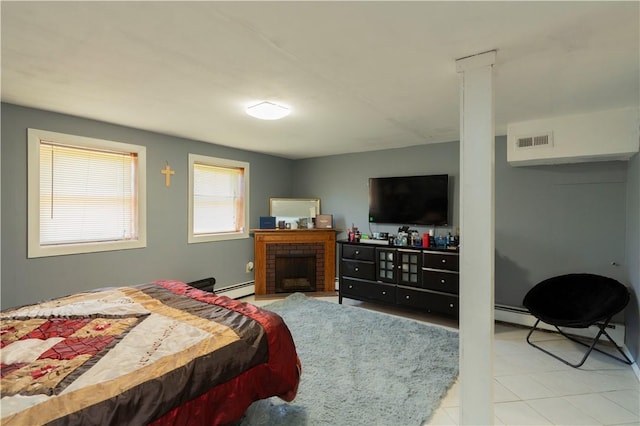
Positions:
(167, 172)
(360, 367)
(267, 222)
(324, 221)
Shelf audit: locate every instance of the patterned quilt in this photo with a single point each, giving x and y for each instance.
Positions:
(161, 353)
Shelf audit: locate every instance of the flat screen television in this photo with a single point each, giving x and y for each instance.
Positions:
(409, 200)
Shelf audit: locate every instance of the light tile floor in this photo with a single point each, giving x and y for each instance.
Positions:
(532, 388)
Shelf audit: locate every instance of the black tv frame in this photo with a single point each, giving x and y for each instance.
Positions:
(409, 200)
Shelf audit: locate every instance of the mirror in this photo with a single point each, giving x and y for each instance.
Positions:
(294, 207)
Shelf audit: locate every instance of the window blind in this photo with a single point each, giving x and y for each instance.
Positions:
(86, 195)
(218, 199)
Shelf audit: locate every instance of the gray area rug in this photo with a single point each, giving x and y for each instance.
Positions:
(360, 367)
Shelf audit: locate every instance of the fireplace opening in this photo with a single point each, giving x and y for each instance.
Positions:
(295, 273)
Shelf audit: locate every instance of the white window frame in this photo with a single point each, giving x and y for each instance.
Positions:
(218, 162)
(34, 248)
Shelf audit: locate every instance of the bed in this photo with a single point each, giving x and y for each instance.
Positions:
(162, 353)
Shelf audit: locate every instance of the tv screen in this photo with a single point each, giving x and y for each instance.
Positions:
(409, 200)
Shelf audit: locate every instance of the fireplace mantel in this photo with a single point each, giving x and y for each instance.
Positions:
(266, 237)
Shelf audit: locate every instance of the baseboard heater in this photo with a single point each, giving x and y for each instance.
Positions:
(237, 291)
(521, 316)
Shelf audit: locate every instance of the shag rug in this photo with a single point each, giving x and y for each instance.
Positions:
(360, 367)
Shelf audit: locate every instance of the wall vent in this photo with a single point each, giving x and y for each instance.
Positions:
(597, 136)
(535, 141)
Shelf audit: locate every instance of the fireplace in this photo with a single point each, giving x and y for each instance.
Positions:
(289, 261)
(295, 273)
(293, 267)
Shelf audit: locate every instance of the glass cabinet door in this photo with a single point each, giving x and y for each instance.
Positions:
(386, 265)
(409, 268)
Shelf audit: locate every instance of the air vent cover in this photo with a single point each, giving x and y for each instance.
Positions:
(535, 141)
(597, 136)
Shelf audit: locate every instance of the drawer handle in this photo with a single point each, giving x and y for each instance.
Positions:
(442, 281)
(407, 297)
(350, 286)
(384, 292)
(357, 269)
(451, 305)
(357, 252)
(444, 260)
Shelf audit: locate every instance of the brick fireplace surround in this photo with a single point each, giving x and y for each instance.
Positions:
(270, 243)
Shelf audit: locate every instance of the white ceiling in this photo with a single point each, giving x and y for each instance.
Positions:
(359, 76)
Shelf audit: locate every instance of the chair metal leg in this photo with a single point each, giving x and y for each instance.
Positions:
(602, 331)
(591, 347)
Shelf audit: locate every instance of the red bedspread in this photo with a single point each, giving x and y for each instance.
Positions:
(161, 353)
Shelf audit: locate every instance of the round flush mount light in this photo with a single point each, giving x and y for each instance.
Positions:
(268, 111)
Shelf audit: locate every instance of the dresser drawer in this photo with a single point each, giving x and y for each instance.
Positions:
(368, 290)
(447, 282)
(428, 301)
(358, 269)
(356, 252)
(437, 260)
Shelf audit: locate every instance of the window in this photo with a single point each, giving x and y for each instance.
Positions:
(218, 199)
(84, 195)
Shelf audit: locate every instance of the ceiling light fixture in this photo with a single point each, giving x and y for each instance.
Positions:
(268, 111)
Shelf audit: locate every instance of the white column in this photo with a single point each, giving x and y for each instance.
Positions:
(477, 155)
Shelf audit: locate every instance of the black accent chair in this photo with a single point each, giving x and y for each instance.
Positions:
(577, 301)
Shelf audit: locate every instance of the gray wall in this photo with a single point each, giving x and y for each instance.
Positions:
(553, 220)
(167, 255)
(550, 220)
(341, 182)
